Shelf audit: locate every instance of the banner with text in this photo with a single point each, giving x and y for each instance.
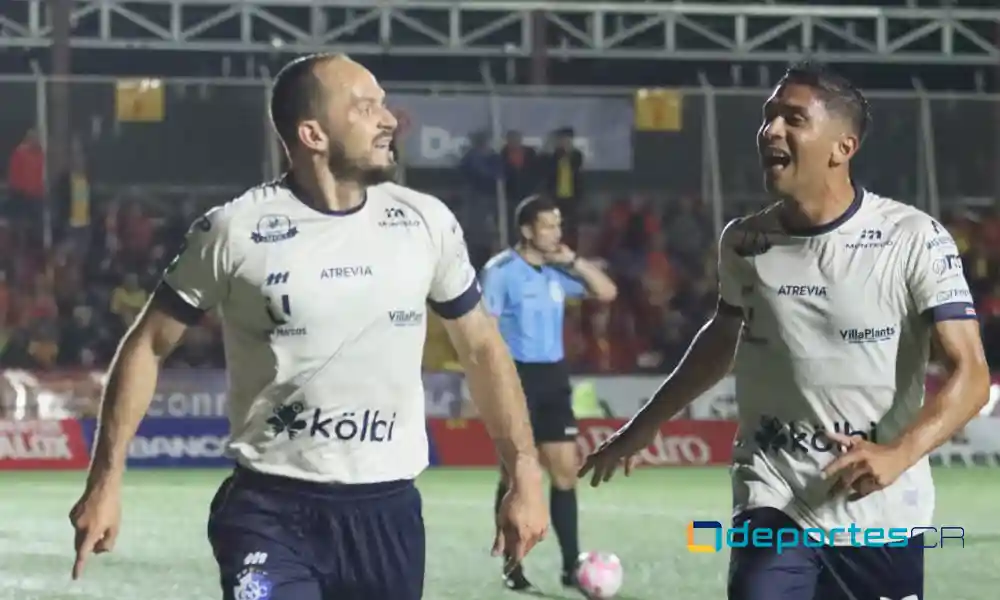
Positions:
(465, 442)
(167, 442)
(437, 128)
(202, 393)
(42, 445)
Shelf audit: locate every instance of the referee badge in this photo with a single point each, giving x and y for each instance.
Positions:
(556, 291)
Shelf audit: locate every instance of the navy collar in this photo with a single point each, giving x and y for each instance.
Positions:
(300, 194)
(859, 195)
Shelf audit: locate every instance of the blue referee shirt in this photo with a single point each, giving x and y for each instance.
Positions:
(529, 303)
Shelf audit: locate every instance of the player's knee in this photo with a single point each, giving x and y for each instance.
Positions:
(563, 476)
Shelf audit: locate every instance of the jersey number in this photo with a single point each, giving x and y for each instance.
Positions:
(279, 315)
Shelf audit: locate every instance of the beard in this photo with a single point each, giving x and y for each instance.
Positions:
(343, 167)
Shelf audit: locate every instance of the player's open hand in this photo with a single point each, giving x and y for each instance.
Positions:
(864, 467)
(96, 518)
(618, 450)
(523, 518)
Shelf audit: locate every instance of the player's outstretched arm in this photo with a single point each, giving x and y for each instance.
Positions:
(194, 282)
(131, 383)
(96, 517)
(708, 359)
(494, 385)
(496, 390)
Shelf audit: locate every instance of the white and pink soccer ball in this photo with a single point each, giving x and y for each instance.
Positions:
(599, 575)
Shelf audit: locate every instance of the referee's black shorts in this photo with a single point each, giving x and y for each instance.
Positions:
(550, 401)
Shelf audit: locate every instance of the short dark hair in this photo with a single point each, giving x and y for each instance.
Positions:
(527, 210)
(296, 95)
(837, 92)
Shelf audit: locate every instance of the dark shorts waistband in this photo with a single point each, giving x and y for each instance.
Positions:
(539, 367)
(243, 476)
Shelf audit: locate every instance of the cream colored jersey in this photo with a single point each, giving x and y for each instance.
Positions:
(837, 324)
(323, 323)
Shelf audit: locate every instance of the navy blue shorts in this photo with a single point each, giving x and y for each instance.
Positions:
(283, 539)
(823, 573)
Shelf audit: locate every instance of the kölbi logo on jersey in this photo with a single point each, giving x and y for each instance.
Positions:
(366, 425)
(773, 434)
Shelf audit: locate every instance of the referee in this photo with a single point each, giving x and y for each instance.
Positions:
(525, 288)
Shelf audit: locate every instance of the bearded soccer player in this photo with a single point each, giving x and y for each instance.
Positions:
(526, 288)
(321, 279)
(829, 300)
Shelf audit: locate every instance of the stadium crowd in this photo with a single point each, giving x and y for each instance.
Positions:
(67, 306)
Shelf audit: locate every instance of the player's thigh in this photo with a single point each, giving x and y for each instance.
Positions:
(896, 573)
(561, 460)
(255, 549)
(377, 549)
(762, 573)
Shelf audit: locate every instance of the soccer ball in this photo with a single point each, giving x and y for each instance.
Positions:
(599, 575)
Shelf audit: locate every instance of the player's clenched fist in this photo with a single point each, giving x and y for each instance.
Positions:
(619, 449)
(96, 518)
(523, 518)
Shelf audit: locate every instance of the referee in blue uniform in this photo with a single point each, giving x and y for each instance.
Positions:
(525, 288)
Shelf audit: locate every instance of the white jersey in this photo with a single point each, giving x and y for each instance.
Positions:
(323, 324)
(837, 324)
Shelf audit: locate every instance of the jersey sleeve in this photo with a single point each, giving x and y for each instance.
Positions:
(934, 273)
(454, 289)
(572, 286)
(197, 279)
(730, 284)
(494, 290)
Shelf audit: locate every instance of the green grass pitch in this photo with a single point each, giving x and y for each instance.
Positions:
(162, 552)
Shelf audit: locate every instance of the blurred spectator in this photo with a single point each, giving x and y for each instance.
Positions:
(128, 299)
(26, 182)
(5, 300)
(688, 231)
(84, 340)
(481, 170)
(74, 194)
(520, 168)
(136, 233)
(43, 345)
(40, 304)
(562, 176)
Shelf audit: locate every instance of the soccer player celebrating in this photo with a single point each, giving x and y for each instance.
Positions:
(322, 278)
(525, 288)
(828, 299)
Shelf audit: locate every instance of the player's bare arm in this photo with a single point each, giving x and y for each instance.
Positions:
(130, 386)
(127, 395)
(497, 392)
(495, 387)
(708, 359)
(867, 467)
